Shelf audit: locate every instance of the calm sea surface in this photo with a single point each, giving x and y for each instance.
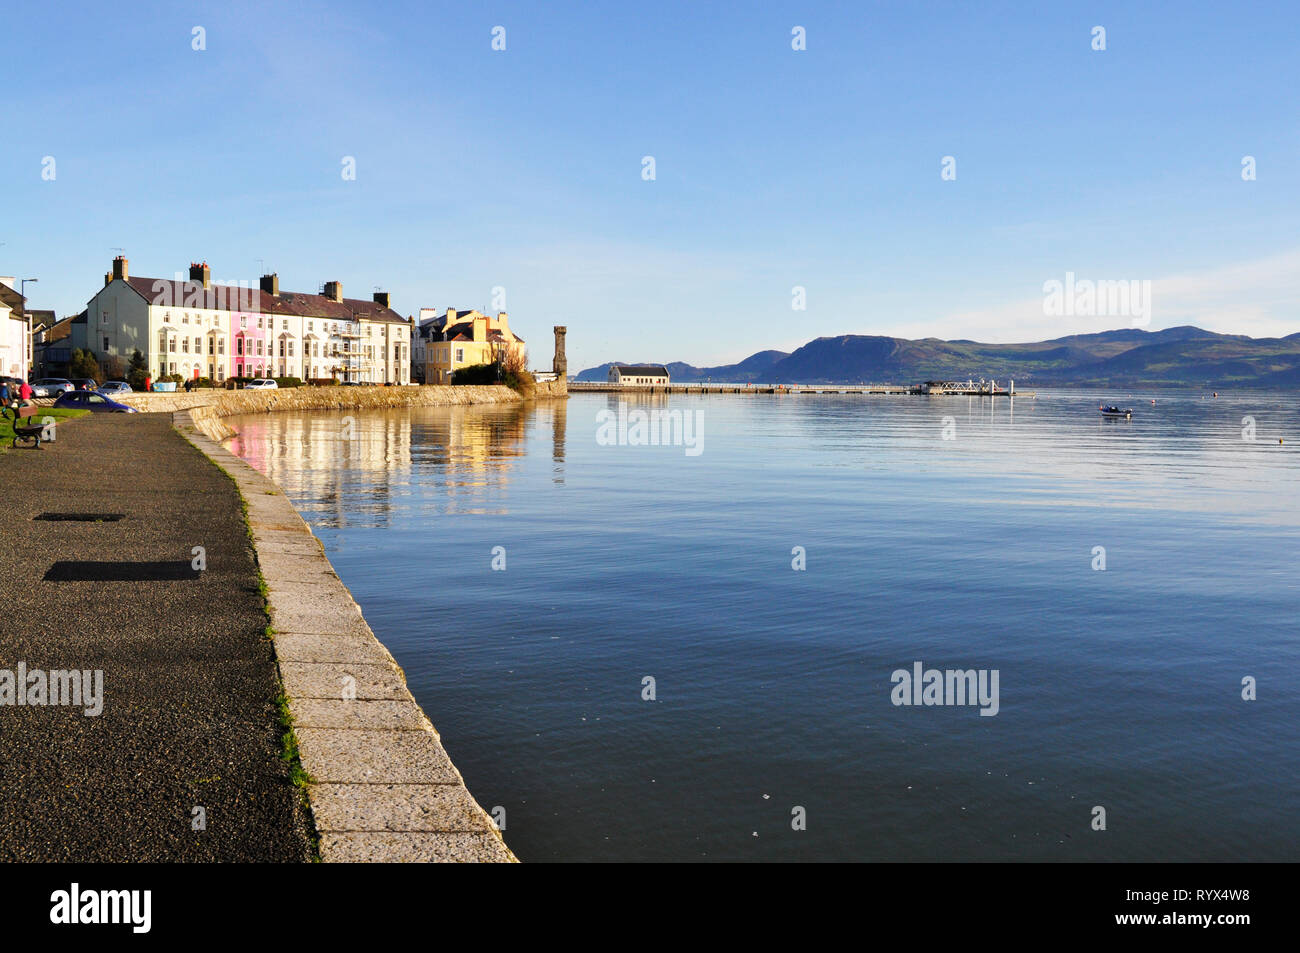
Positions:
(1119, 688)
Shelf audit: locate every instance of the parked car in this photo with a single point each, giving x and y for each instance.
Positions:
(262, 383)
(51, 387)
(93, 401)
(112, 388)
(84, 383)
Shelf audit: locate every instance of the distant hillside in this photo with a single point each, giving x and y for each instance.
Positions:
(1175, 357)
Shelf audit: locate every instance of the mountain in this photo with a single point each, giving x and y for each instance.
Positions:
(1174, 357)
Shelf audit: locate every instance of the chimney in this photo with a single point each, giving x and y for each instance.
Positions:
(561, 364)
(503, 322)
(271, 285)
(382, 298)
(119, 268)
(201, 273)
(108, 277)
(334, 290)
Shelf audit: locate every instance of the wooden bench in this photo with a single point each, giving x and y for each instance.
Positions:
(25, 432)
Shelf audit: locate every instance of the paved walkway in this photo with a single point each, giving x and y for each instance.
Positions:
(189, 679)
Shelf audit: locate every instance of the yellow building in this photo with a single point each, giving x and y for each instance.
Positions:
(444, 343)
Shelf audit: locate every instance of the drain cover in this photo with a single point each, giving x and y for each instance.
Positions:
(81, 517)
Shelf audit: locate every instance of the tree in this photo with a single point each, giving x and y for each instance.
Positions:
(83, 364)
(138, 372)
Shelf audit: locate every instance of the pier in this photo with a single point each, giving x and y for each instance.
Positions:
(927, 389)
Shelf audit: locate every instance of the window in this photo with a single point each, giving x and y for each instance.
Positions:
(239, 346)
(309, 325)
(259, 347)
(243, 322)
(103, 318)
(460, 355)
(212, 346)
(105, 342)
(221, 345)
(185, 318)
(285, 325)
(94, 399)
(173, 362)
(291, 347)
(167, 317)
(259, 322)
(282, 347)
(185, 345)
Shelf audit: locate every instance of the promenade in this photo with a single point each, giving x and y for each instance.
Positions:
(183, 762)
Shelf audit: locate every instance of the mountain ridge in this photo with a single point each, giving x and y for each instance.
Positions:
(1181, 356)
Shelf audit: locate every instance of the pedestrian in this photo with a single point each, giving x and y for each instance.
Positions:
(4, 393)
(148, 382)
(25, 393)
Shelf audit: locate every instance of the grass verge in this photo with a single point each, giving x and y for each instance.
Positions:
(57, 413)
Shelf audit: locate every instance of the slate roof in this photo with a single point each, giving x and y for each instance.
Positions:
(288, 304)
(642, 370)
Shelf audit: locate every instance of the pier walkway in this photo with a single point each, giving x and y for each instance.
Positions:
(976, 389)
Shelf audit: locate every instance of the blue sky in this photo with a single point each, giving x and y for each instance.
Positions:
(775, 168)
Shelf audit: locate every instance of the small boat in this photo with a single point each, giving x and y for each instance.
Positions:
(1116, 412)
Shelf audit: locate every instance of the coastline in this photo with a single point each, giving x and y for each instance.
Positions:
(380, 785)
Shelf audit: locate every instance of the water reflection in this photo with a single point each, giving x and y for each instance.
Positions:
(348, 468)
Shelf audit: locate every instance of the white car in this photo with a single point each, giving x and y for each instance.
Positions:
(262, 383)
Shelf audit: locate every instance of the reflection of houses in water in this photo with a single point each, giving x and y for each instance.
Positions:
(339, 463)
(345, 468)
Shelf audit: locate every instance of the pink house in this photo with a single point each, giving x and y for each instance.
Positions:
(249, 334)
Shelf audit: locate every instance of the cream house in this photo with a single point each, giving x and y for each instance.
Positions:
(443, 344)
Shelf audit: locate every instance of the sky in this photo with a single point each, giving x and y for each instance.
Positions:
(515, 179)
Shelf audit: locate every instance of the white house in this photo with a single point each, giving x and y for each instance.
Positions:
(200, 328)
(638, 374)
(15, 332)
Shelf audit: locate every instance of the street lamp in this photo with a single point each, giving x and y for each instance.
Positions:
(27, 319)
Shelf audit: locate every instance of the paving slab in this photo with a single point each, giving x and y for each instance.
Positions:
(397, 807)
(415, 848)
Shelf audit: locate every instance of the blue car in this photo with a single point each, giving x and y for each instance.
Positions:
(93, 401)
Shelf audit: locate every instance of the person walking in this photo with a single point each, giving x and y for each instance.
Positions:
(25, 393)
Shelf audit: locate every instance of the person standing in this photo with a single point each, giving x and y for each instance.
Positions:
(148, 382)
(25, 393)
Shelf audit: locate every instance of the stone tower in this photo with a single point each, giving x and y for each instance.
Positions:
(561, 364)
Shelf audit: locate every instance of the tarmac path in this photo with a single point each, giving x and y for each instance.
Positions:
(188, 717)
